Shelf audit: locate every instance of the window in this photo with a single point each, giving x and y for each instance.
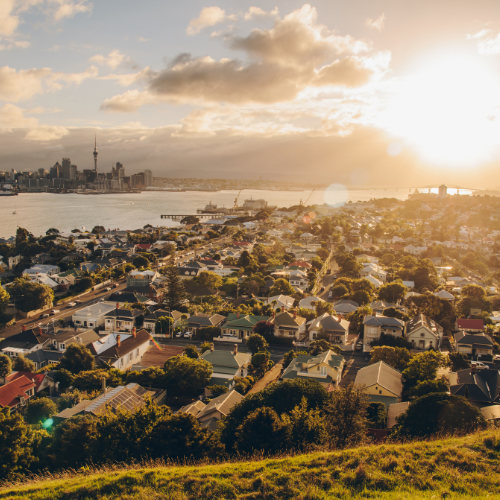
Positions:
(121, 361)
(137, 352)
(380, 392)
(323, 370)
(130, 356)
(62, 346)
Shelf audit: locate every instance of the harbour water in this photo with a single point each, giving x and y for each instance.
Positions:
(38, 212)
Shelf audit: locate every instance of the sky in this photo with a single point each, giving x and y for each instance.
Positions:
(371, 92)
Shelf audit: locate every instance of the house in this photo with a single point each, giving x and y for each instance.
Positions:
(120, 319)
(409, 284)
(200, 320)
(337, 330)
(443, 294)
(226, 365)
(281, 301)
(124, 353)
(16, 393)
(44, 357)
(289, 325)
(470, 325)
(23, 343)
(151, 318)
(474, 344)
(208, 415)
(326, 368)
(14, 261)
(42, 381)
(299, 279)
(374, 281)
(92, 316)
(141, 278)
(483, 385)
(49, 270)
(424, 333)
(241, 326)
(374, 326)
(394, 411)
(345, 306)
(382, 382)
(310, 302)
(379, 306)
(151, 292)
(374, 270)
(63, 337)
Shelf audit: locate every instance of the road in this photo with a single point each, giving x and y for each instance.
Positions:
(328, 280)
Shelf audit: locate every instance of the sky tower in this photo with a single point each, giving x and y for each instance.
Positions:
(95, 154)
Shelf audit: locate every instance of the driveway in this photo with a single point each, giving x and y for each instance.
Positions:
(354, 363)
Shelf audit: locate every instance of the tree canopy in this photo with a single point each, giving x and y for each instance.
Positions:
(77, 358)
(187, 375)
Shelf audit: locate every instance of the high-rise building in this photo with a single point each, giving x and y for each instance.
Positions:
(443, 190)
(95, 153)
(55, 171)
(73, 172)
(148, 178)
(66, 165)
(120, 171)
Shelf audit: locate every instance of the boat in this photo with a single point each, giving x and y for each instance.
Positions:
(209, 209)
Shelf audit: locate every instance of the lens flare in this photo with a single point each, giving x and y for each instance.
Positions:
(336, 195)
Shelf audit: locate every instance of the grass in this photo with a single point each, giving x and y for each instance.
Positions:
(451, 468)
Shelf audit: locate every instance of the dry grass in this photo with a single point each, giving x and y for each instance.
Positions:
(456, 467)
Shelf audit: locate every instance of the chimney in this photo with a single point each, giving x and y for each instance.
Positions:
(212, 347)
(282, 309)
(134, 332)
(238, 315)
(118, 341)
(104, 385)
(23, 328)
(235, 349)
(118, 305)
(295, 313)
(39, 331)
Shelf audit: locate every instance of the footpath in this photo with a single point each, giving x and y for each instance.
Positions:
(271, 376)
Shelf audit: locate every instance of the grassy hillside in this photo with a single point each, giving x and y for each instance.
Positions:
(462, 467)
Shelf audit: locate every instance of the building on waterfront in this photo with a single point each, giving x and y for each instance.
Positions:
(443, 190)
(148, 178)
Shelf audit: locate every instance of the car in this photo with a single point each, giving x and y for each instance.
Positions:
(71, 304)
(45, 315)
(115, 285)
(329, 271)
(78, 301)
(330, 295)
(178, 334)
(188, 335)
(322, 289)
(54, 312)
(108, 289)
(479, 365)
(334, 276)
(496, 357)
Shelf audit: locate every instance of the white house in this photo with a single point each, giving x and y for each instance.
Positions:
(310, 302)
(92, 316)
(424, 333)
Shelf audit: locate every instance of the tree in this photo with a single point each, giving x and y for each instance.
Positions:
(346, 416)
(386, 339)
(209, 279)
(77, 358)
(376, 414)
(175, 292)
(205, 347)
(457, 361)
(64, 377)
(281, 287)
(339, 291)
(186, 375)
(191, 352)
(262, 430)
(321, 345)
(392, 292)
(397, 357)
(362, 297)
(98, 230)
(427, 304)
(22, 236)
(5, 366)
(190, 219)
(150, 377)
(91, 380)
(29, 295)
(422, 367)
(256, 343)
(21, 364)
(438, 413)
(322, 253)
(322, 307)
(140, 261)
(40, 409)
(4, 300)
(427, 386)
(217, 390)
(51, 231)
(290, 356)
(260, 360)
(162, 324)
(16, 444)
(264, 328)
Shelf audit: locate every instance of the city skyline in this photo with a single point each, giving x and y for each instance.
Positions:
(356, 94)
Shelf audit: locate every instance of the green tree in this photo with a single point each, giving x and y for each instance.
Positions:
(281, 287)
(376, 414)
(40, 409)
(321, 345)
(98, 230)
(209, 279)
(346, 416)
(427, 386)
(162, 324)
(77, 358)
(339, 291)
(150, 377)
(217, 390)
(427, 304)
(386, 339)
(4, 300)
(423, 366)
(261, 430)
(362, 297)
(322, 253)
(22, 236)
(64, 377)
(392, 292)
(5, 366)
(51, 231)
(322, 307)
(140, 261)
(256, 343)
(16, 443)
(175, 292)
(438, 413)
(30, 296)
(187, 375)
(290, 356)
(205, 347)
(264, 328)
(260, 360)
(397, 357)
(21, 364)
(457, 361)
(191, 352)
(91, 380)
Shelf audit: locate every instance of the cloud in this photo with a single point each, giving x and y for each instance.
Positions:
(129, 102)
(114, 59)
(24, 84)
(64, 9)
(209, 16)
(377, 24)
(347, 72)
(12, 116)
(256, 12)
(10, 44)
(9, 21)
(487, 42)
(131, 78)
(46, 133)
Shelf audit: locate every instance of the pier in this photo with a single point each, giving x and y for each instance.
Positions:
(200, 216)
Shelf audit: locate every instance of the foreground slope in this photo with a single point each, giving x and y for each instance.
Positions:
(461, 467)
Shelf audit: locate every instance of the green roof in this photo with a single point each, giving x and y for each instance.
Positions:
(248, 321)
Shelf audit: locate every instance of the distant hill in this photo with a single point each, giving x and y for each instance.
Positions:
(459, 467)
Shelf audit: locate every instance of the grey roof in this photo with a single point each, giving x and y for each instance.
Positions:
(206, 319)
(42, 355)
(84, 337)
(75, 410)
(287, 319)
(331, 324)
(304, 363)
(394, 411)
(227, 359)
(192, 408)
(471, 339)
(381, 374)
(483, 385)
(22, 340)
(384, 321)
(223, 404)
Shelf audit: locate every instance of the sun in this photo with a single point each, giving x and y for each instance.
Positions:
(448, 111)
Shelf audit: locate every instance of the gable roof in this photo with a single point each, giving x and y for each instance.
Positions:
(205, 319)
(287, 319)
(130, 397)
(223, 404)
(127, 345)
(244, 321)
(12, 392)
(23, 340)
(36, 378)
(470, 324)
(381, 374)
(384, 321)
(471, 339)
(483, 385)
(226, 359)
(301, 366)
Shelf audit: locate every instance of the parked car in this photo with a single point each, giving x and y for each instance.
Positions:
(54, 312)
(188, 335)
(479, 365)
(330, 295)
(322, 289)
(71, 304)
(108, 289)
(78, 301)
(45, 315)
(178, 334)
(115, 285)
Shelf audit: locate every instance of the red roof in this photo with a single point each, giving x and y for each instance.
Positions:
(37, 378)
(241, 243)
(11, 392)
(470, 324)
(300, 263)
(143, 246)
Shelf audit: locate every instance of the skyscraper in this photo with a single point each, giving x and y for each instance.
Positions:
(95, 154)
(120, 171)
(148, 178)
(66, 164)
